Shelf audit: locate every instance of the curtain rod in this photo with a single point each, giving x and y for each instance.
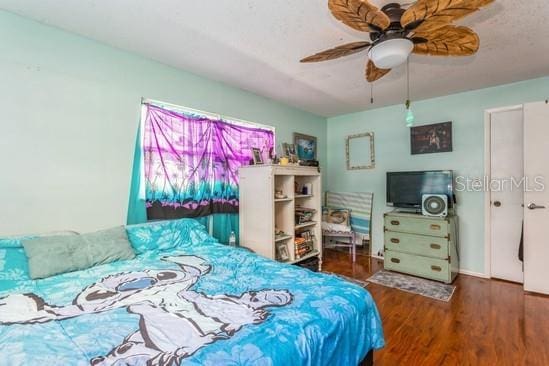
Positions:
(204, 113)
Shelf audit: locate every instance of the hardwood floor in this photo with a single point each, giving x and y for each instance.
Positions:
(487, 322)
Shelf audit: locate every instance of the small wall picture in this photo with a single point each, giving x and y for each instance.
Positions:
(433, 138)
(306, 146)
(256, 155)
(282, 253)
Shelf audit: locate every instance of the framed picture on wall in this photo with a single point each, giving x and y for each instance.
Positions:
(305, 146)
(430, 139)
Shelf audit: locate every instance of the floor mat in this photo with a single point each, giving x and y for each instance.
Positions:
(415, 285)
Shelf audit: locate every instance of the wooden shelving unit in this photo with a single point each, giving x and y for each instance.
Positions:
(261, 212)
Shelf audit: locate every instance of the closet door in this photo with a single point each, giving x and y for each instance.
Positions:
(506, 161)
(536, 198)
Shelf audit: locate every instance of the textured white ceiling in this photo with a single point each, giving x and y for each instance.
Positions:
(256, 45)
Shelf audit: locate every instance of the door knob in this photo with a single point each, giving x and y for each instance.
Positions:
(533, 206)
(497, 203)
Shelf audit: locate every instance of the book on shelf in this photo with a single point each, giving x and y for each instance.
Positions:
(303, 253)
(304, 214)
(304, 243)
(304, 247)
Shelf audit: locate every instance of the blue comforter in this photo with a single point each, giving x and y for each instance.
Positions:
(185, 299)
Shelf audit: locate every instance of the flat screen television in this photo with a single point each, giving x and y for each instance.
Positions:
(405, 189)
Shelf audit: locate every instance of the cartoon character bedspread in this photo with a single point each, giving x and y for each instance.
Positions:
(199, 303)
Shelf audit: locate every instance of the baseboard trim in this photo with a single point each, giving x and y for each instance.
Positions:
(378, 257)
(472, 273)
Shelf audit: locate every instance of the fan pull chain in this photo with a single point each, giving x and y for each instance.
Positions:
(408, 82)
(410, 118)
(372, 93)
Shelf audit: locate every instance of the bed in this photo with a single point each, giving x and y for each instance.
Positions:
(184, 299)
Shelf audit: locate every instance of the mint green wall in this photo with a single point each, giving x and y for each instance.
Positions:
(71, 107)
(392, 148)
(70, 110)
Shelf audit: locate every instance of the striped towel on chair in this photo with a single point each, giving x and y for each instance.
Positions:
(360, 204)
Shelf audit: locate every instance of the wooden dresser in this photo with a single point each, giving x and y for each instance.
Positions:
(421, 246)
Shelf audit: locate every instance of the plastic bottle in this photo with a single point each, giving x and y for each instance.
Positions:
(232, 239)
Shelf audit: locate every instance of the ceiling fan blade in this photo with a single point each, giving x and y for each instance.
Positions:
(337, 52)
(359, 14)
(449, 40)
(429, 15)
(374, 73)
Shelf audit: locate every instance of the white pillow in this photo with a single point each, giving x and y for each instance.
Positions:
(328, 226)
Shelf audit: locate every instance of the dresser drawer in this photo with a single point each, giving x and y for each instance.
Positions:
(416, 225)
(429, 246)
(433, 268)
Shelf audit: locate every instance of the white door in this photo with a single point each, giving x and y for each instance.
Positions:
(506, 164)
(536, 199)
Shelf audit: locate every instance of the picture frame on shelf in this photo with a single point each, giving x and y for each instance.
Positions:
(256, 156)
(290, 152)
(305, 146)
(282, 252)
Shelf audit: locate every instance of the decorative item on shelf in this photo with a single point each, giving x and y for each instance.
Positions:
(256, 155)
(306, 146)
(307, 189)
(313, 163)
(279, 234)
(433, 138)
(284, 160)
(279, 194)
(289, 151)
(282, 253)
(360, 151)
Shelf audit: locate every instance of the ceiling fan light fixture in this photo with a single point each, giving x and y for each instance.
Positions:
(391, 53)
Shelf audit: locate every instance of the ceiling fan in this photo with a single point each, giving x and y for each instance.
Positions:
(424, 27)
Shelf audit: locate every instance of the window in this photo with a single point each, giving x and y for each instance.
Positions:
(191, 160)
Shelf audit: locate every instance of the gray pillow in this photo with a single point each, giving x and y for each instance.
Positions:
(53, 255)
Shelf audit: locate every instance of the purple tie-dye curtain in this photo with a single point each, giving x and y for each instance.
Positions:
(191, 162)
